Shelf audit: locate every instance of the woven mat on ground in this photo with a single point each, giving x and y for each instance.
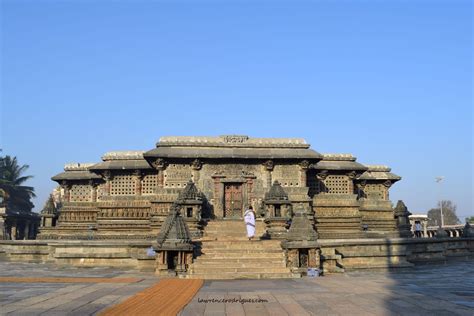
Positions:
(167, 297)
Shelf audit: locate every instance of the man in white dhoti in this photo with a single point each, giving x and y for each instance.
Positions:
(249, 218)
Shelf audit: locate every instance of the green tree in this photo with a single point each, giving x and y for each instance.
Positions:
(470, 219)
(16, 195)
(449, 214)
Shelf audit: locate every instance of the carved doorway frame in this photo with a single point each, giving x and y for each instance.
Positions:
(233, 193)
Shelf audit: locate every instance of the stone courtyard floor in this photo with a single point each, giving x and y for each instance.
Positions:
(424, 290)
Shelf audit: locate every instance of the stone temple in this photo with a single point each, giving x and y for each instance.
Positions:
(129, 194)
(193, 191)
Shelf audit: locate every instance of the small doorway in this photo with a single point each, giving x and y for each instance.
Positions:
(233, 200)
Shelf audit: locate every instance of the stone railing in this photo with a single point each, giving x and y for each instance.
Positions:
(452, 230)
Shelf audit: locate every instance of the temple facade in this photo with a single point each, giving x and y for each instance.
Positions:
(129, 194)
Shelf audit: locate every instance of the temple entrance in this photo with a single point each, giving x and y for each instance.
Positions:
(233, 200)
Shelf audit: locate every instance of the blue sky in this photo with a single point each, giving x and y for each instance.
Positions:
(388, 81)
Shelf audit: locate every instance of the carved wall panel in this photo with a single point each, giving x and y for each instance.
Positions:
(177, 175)
(375, 191)
(287, 175)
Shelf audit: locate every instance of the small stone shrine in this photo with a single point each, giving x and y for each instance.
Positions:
(402, 217)
(278, 212)
(301, 244)
(174, 248)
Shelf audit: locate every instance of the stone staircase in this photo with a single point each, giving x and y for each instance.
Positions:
(226, 253)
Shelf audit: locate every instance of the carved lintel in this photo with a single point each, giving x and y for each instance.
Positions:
(269, 165)
(196, 164)
(304, 164)
(159, 164)
(322, 175)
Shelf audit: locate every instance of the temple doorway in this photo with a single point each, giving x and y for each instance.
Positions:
(233, 200)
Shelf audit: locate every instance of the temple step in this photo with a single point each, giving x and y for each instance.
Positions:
(226, 253)
(240, 253)
(238, 261)
(243, 275)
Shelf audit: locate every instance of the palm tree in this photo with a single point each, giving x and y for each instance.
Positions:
(17, 196)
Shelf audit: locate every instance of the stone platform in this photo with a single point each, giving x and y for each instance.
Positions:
(446, 289)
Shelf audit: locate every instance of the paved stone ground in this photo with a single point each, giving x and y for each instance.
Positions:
(64, 298)
(425, 290)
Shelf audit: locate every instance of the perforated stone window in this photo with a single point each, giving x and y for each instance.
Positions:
(149, 183)
(123, 184)
(337, 184)
(80, 193)
(374, 191)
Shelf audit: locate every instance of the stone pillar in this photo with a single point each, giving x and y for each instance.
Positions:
(161, 262)
(269, 165)
(26, 230)
(304, 165)
(351, 176)
(2, 223)
(93, 190)
(13, 230)
(138, 176)
(249, 191)
(425, 228)
(218, 196)
(314, 258)
(196, 165)
(292, 258)
(108, 184)
(387, 185)
(160, 166)
(67, 191)
(221, 199)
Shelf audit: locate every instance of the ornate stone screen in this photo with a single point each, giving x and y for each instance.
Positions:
(149, 183)
(122, 184)
(80, 193)
(337, 184)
